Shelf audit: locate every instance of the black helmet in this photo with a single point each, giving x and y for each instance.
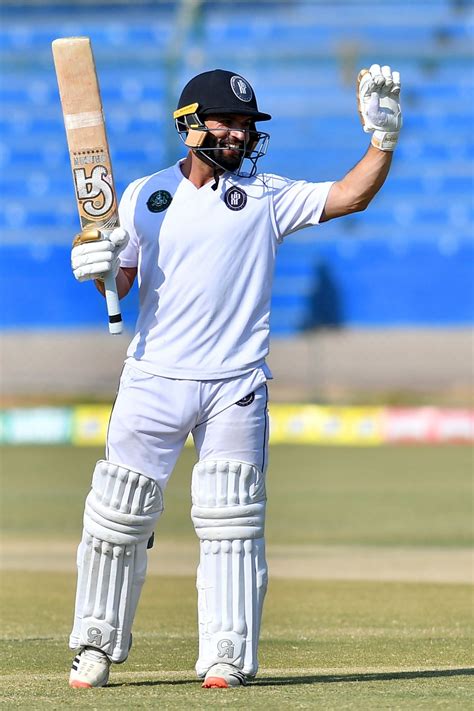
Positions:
(219, 92)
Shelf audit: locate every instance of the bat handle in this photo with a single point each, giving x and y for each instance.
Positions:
(113, 305)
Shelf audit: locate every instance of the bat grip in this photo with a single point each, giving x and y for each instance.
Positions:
(113, 305)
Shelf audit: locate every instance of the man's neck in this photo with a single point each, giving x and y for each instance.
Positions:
(196, 171)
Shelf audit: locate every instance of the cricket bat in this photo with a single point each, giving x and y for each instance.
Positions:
(88, 149)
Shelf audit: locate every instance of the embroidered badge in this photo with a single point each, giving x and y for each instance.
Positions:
(159, 201)
(241, 88)
(235, 198)
(247, 400)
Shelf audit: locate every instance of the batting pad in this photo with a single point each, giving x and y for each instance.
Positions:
(228, 513)
(121, 512)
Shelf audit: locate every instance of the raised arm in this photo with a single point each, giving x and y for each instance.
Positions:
(378, 92)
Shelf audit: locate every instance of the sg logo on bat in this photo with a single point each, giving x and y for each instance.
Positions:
(94, 188)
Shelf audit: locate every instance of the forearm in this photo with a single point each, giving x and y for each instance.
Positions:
(378, 92)
(124, 281)
(359, 186)
(363, 182)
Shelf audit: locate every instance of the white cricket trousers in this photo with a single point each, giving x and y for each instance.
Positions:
(153, 416)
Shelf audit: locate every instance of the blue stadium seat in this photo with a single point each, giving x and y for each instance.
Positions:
(302, 60)
(21, 36)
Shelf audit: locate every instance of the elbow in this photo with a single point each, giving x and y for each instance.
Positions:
(357, 201)
(345, 200)
(358, 205)
(363, 205)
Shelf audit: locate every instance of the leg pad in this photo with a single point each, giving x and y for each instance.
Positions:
(121, 512)
(228, 514)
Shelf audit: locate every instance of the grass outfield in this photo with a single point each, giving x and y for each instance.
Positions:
(376, 614)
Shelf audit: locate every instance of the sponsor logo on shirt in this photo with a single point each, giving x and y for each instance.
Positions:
(247, 400)
(235, 198)
(159, 201)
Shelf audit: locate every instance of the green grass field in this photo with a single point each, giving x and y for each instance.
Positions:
(369, 603)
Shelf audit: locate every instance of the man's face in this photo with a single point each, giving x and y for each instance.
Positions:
(231, 136)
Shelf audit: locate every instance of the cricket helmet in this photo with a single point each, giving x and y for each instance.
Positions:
(219, 92)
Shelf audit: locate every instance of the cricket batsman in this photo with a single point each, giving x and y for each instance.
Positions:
(201, 238)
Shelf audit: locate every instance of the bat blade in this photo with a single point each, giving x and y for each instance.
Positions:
(88, 147)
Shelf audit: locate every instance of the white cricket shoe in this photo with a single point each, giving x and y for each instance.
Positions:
(223, 676)
(89, 668)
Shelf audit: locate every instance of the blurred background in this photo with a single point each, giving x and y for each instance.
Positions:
(375, 308)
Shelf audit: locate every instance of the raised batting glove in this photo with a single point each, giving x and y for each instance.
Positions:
(378, 94)
(95, 253)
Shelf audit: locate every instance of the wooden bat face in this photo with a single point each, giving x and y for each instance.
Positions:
(85, 131)
(88, 148)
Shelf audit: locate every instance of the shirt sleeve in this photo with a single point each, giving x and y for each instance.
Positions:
(297, 204)
(129, 256)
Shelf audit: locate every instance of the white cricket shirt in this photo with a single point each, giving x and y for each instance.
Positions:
(205, 263)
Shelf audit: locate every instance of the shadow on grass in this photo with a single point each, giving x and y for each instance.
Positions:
(382, 676)
(318, 678)
(161, 682)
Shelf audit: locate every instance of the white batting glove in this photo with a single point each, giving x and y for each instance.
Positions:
(378, 95)
(95, 253)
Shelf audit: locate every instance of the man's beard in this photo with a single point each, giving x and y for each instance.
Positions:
(216, 152)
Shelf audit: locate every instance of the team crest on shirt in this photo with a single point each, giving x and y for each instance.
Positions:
(235, 198)
(159, 201)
